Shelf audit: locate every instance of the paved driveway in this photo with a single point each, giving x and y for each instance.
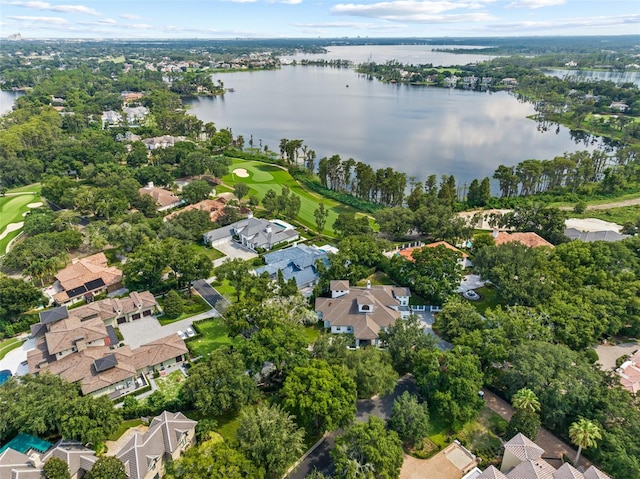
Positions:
(320, 458)
(608, 353)
(14, 359)
(147, 329)
(209, 293)
(232, 250)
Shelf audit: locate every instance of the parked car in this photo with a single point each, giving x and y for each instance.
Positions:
(182, 335)
(190, 332)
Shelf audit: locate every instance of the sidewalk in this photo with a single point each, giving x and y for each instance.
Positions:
(553, 447)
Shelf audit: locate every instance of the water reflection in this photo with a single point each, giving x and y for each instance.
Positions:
(418, 130)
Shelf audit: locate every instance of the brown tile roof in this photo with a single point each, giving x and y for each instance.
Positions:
(158, 351)
(408, 252)
(84, 271)
(594, 473)
(532, 240)
(64, 334)
(163, 197)
(491, 473)
(215, 208)
(567, 471)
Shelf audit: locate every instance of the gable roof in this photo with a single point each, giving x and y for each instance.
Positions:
(298, 262)
(86, 274)
(491, 473)
(161, 438)
(407, 253)
(163, 197)
(215, 208)
(590, 236)
(567, 471)
(538, 469)
(595, 473)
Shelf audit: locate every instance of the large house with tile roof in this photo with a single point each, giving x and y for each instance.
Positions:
(362, 311)
(144, 455)
(523, 459)
(253, 234)
(85, 278)
(530, 239)
(81, 346)
(165, 199)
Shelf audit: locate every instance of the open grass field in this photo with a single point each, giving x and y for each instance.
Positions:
(621, 215)
(13, 206)
(122, 428)
(263, 177)
(192, 305)
(213, 335)
(170, 384)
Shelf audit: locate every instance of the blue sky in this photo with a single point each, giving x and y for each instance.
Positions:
(315, 18)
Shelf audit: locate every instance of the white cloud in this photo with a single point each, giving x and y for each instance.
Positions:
(578, 22)
(351, 25)
(416, 11)
(140, 26)
(240, 1)
(36, 5)
(535, 3)
(129, 16)
(292, 2)
(44, 20)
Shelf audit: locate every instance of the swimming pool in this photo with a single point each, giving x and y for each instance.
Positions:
(5, 374)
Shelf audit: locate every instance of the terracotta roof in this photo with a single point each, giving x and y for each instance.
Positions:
(86, 272)
(408, 252)
(215, 208)
(629, 373)
(523, 448)
(65, 334)
(532, 240)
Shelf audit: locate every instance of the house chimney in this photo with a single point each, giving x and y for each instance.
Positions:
(368, 284)
(250, 214)
(495, 233)
(268, 229)
(150, 185)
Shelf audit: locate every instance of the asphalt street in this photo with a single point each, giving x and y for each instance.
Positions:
(209, 294)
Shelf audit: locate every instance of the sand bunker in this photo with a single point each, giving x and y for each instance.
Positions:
(35, 205)
(241, 173)
(11, 227)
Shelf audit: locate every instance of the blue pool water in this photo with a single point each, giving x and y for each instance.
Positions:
(5, 374)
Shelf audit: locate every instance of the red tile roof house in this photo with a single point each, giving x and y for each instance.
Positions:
(85, 277)
(463, 261)
(81, 346)
(215, 208)
(164, 198)
(363, 312)
(629, 373)
(532, 240)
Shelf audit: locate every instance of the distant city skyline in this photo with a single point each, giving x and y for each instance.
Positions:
(315, 18)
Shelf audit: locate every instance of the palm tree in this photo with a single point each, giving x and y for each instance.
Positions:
(525, 399)
(584, 433)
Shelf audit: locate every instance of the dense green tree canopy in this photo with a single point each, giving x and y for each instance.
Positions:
(410, 419)
(372, 372)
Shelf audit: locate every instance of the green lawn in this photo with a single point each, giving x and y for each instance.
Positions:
(489, 299)
(621, 215)
(263, 177)
(226, 290)
(192, 305)
(313, 332)
(213, 335)
(9, 345)
(123, 427)
(210, 253)
(12, 209)
(170, 384)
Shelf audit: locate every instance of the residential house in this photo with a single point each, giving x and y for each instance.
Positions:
(523, 459)
(135, 114)
(253, 234)
(620, 106)
(463, 259)
(363, 312)
(111, 118)
(128, 96)
(509, 81)
(144, 456)
(530, 239)
(169, 435)
(297, 262)
(215, 208)
(81, 346)
(590, 236)
(84, 278)
(165, 141)
(164, 198)
(629, 373)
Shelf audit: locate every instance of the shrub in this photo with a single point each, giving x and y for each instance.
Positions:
(173, 305)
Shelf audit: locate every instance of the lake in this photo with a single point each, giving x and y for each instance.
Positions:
(7, 99)
(415, 129)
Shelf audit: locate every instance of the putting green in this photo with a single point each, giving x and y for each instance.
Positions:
(264, 177)
(12, 210)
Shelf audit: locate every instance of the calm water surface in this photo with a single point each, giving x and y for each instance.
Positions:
(7, 99)
(418, 130)
(594, 75)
